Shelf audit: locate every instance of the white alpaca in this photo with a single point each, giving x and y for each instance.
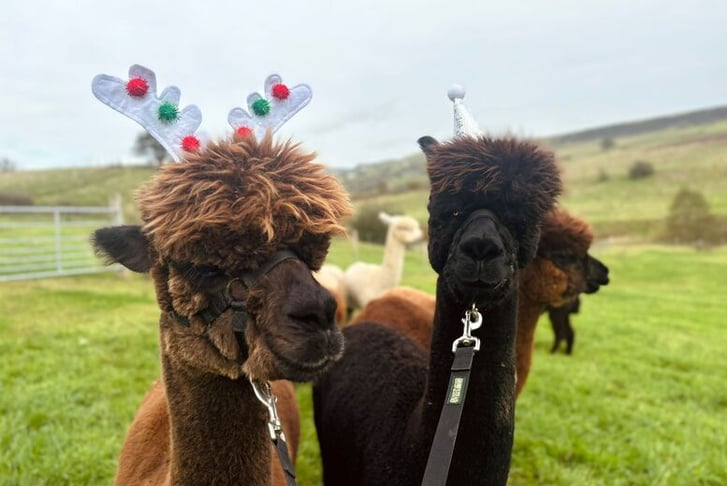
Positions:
(331, 277)
(364, 281)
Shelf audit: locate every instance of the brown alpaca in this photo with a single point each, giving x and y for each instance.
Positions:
(561, 271)
(564, 239)
(213, 227)
(146, 454)
(405, 309)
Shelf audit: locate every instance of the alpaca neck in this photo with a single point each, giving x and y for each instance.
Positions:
(528, 313)
(218, 429)
(484, 441)
(393, 264)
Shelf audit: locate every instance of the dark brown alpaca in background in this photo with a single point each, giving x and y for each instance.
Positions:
(211, 227)
(562, 270)
(376, 410)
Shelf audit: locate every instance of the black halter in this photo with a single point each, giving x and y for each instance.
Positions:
(223, 300)
(218, 304)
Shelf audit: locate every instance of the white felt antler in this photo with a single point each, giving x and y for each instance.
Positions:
(160, 116)
(271, 112)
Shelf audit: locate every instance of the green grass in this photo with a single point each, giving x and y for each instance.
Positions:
(641, 401)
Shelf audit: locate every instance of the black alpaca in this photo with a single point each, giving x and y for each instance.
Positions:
(560, 316)
(562, 327)
(377, 409)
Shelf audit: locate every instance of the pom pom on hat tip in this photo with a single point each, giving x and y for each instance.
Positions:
(455, 92)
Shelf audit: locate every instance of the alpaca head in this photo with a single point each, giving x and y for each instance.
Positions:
(488, 198)
(210, 226)
(563, 268)
(404, 229)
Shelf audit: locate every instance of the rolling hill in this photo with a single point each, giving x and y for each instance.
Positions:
(686, 151)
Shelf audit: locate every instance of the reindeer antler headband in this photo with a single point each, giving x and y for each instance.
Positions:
(174, 128)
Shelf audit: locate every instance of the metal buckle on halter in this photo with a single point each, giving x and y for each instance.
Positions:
(472, 321)
(231, 301)
(264, 393)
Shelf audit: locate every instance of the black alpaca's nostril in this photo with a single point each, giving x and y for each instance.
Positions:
(480, 248)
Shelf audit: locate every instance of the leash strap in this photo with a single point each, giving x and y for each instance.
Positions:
(281, 447)
(440, 455)
(264, 393)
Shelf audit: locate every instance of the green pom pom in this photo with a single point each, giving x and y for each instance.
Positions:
(168, 112)
(261, 107)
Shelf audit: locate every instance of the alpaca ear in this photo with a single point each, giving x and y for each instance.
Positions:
(385, 218)
(126, 245)
(427, 144)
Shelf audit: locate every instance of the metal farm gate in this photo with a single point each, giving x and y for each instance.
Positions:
(51, 241)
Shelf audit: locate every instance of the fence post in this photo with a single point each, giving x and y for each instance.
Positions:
(58, 244)
(117, 208)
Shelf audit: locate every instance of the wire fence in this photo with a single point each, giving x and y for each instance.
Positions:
(52, 241)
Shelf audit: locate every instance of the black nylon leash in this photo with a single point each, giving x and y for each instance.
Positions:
(445, 437)
(263, 392)
(281, 447)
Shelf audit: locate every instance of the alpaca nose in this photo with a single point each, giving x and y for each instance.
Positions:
(480, 247)
(318, 312)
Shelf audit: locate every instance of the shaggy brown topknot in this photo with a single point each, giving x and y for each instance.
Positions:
(506, 170)
(562, 231)
(515, 179)
(236, 202)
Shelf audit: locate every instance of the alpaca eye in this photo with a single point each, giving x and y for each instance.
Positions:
(456, 213)
(207, 270)
(564, 258)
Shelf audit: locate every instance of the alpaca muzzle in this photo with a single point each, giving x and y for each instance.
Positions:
(225, 300)
(480, 255)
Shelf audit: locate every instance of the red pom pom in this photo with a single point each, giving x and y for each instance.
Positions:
(190, 143)
(243, 131)
(137, 87)
(280, 91)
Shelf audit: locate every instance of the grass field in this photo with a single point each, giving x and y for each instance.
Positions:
(642, 400)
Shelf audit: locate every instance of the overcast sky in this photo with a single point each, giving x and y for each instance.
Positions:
(379, 69)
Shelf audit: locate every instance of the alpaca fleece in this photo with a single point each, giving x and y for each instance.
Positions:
(515, 179)
(235, 203)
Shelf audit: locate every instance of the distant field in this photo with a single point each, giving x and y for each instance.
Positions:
(692, 157)
(596, 183)
(79, 187)
(641, 402)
